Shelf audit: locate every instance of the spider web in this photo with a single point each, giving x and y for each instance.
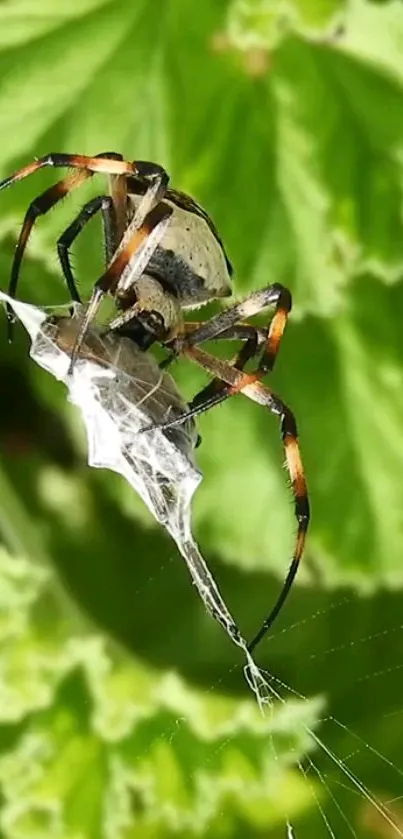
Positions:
(120, 391)
(340, 763)
(331, 767)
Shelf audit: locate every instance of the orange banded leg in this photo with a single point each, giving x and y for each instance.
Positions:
(235, 381)
(217, 390)
(118, 192)
(276, 330)
(140, 242)
(40, 206)
(105, 164)
(274, 295)
(109, 163)
(227, 327)
(248, 384)
(238, 332)
(132, 256)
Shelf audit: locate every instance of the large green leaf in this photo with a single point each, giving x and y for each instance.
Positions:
(100, 730)
(285, 120)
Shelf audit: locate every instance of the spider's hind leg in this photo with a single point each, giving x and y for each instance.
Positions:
(226, 325)
(233, 380)
(239, 382)
(217, 390)
(275, 295)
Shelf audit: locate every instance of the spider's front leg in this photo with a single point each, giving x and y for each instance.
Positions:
(224, 325)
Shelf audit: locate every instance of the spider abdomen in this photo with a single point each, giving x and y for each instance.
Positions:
(182, 278)
(190, 261)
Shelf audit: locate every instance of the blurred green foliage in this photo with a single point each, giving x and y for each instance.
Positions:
(123, 709)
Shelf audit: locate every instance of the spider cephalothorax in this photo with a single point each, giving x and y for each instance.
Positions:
(164, 256)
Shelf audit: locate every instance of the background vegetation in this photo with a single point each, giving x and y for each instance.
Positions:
(123, 709)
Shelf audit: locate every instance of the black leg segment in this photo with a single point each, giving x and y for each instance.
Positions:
(103, 204)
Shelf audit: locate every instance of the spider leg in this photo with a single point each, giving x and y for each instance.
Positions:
(105, 204)
(224, 326)
(118, 193)
(39, 207)
(274, 294)
(239, 332)
(139, 242)
(249, 384)
(113, 229)
(235, 381)
(149, 203)
(109, 164)
(134, 253)
(152, 196)
(157, 179)
(217, 390)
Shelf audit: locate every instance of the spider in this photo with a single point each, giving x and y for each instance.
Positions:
(163, 256)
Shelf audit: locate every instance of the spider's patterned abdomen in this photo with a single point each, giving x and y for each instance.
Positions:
(190, 261)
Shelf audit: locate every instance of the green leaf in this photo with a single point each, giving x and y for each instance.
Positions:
(260, 24)
(286, 122)
(106, 729)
